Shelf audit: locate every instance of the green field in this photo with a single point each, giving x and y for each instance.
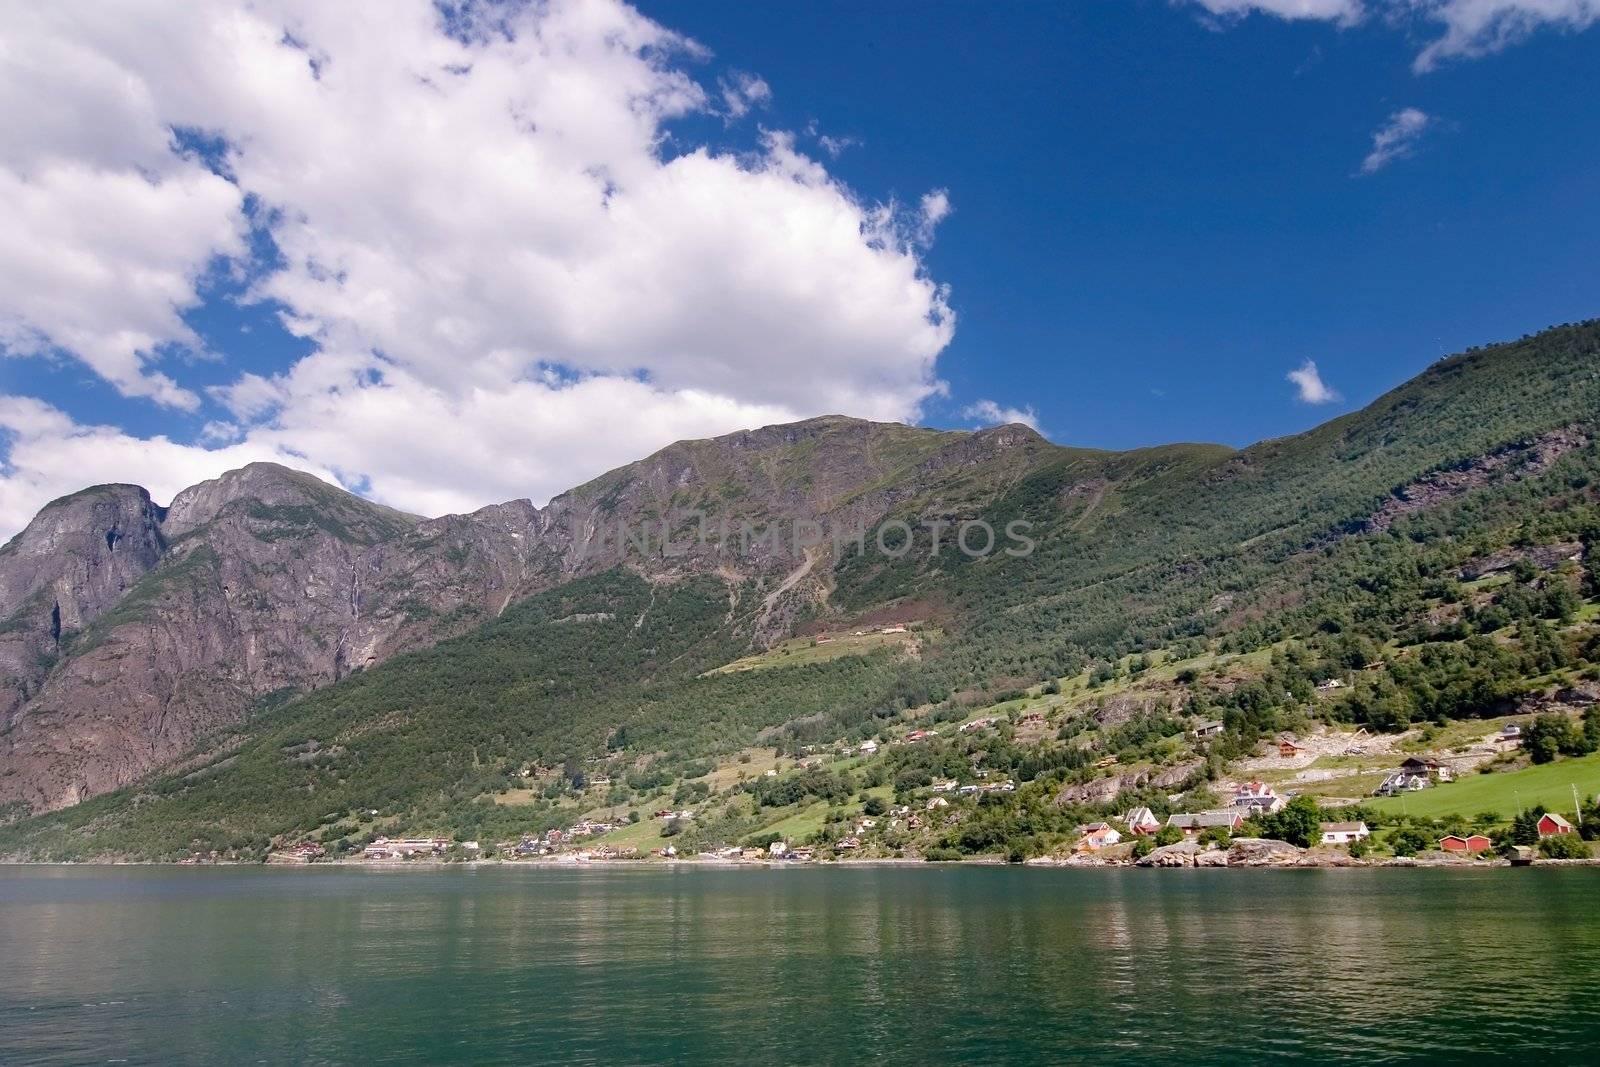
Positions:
(800, 825)
(1550, 785)
(798, 651)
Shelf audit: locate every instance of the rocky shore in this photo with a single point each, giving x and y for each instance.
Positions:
(1255, 852)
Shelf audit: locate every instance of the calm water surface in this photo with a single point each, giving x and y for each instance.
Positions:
(918, 966)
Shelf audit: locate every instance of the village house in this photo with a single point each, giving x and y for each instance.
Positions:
(1288, 748)
(1257, 796)
(1401, 782)
(1192, 823)
(1551, 825)
(1097, 836)
(848, 844)
(1344, 833)
(868, 747)
(1330, 685)
(1142, 822)
(1470, 844)
(935, 803)
(1209, 729)
(977, 724)
(404, 848)
(1427, 767)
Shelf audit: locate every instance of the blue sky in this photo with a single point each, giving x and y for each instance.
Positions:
(449, 262)
(1156, 218)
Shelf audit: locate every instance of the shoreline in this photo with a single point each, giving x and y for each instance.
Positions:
(886, 862)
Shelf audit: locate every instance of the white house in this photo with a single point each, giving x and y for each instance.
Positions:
(1142, 821)
(1097, 836)
(1344, 833)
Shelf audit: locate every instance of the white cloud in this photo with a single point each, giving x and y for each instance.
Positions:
(836, 146)
(1395, 139)
(1471, 27)
(50, 456)
(742, 92)
(1478, 27)
(989, 413)
(1313, 390)
(1347, 12)
(510, 283)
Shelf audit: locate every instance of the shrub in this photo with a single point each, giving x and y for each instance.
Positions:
(1408, 841)
(1565, 847)
(941, 855)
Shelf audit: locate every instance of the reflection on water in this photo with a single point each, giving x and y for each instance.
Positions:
(929, 965)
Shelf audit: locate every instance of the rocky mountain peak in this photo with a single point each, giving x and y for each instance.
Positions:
(81, 553)
(265, 489)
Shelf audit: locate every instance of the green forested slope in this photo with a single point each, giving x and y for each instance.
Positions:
(1186, 549)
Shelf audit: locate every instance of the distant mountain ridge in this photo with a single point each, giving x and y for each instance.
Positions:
(130, 633)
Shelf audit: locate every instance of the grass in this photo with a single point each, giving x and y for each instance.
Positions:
(1458, 734)
(643, 835)
(800, 651)
(798, 825)
(729, 771)
(1550, 784)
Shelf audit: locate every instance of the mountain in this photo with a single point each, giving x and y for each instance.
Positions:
(131, 631)
(294, 657)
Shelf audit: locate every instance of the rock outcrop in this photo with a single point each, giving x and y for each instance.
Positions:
(1262, 852)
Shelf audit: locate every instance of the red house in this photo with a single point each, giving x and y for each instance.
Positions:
(1551, 824)
(1469, 844)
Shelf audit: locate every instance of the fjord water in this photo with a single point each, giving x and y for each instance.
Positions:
(924, 965)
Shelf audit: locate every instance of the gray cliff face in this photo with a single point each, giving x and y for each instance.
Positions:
(131, 633)
(74, 562)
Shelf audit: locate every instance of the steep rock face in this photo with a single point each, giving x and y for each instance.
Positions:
(71, 564)
(269, 582)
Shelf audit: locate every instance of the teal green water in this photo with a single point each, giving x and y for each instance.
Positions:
(916, 966)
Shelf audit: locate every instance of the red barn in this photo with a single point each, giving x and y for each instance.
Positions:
(1551, 824)
(1469, 844)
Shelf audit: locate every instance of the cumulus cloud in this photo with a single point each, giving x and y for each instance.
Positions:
(1312, 389)
(1396, 139)
(1478, 27)
(990, 413)
(481, 223)
(51, 455)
